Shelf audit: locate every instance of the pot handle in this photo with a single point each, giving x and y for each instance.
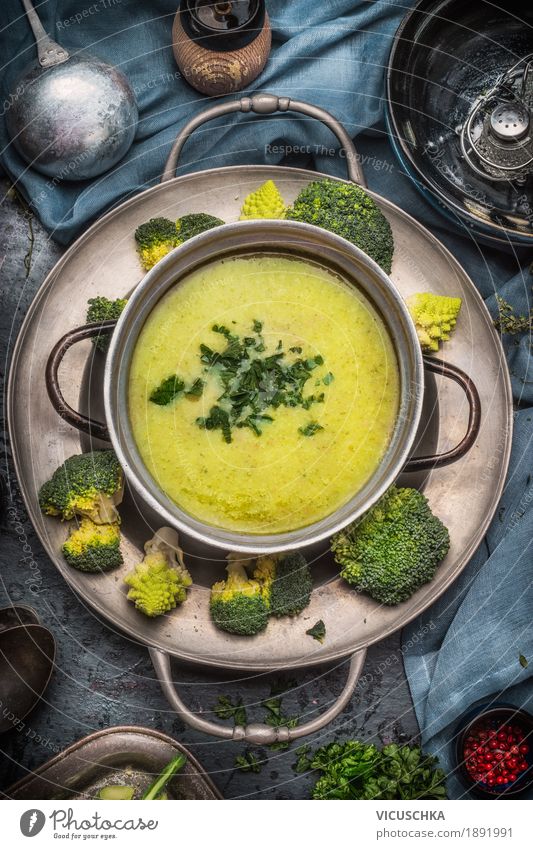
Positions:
(77, 420)
(258, 733)
(418, 464)
(267, 104)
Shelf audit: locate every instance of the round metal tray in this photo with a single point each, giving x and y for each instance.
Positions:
(104, 261)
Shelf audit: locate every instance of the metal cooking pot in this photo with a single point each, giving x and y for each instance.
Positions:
(280, 237)
(460, 113)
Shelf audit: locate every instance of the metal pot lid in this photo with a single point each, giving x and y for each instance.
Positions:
(460, 110)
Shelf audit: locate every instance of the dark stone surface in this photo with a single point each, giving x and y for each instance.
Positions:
(103, 678)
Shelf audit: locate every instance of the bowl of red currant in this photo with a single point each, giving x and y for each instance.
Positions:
(494, 750)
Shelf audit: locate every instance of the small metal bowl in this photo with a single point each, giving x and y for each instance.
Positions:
(499, 714)
(27, 652)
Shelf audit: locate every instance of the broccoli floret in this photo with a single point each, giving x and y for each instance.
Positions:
(287, 583)
(197, 222)
(93, 548)
(237, 604)
(116, 792)
(434, 317)
(89, 485)
(102, 309)
(348, 211)
(155, 239)
(266, 202)
(159, 583)
(394, 548)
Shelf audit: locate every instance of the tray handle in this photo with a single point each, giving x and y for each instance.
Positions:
(267, 104)
(419, 464)
(73, 417)
(258, 733)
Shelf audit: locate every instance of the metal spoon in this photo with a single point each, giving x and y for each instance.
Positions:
(71, 117)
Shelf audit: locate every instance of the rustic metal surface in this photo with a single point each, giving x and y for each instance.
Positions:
(104, 261)
(121, 755)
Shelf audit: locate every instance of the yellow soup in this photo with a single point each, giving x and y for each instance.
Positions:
(284, 412)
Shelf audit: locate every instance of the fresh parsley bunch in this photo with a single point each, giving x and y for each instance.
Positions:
(355, 770)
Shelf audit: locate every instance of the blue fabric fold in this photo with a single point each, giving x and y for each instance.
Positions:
(332, 54)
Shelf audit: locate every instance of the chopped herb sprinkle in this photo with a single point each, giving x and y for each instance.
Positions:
(252, 386)
(310, 429)
(167, 390)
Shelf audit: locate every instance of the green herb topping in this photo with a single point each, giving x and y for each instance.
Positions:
(310, 429)
(167, 390)
(253, 383)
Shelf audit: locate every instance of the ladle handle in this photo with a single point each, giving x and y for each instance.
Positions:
(258, 733)
(68, 413)
(49, 52)
(267, 104)
(435, 461)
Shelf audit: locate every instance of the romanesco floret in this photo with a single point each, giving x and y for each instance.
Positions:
(434, 317)
(265, 202)
(394, 548)
(159, 583)
(89, 485)
(93, 548)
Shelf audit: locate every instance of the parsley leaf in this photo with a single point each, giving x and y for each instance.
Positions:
(167, 390)
(196, 389)
(310, 429)
(226, 709)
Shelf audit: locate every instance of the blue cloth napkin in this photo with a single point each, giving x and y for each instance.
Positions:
(332, 54)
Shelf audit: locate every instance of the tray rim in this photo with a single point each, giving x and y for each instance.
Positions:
(409, 614)
(105, 732)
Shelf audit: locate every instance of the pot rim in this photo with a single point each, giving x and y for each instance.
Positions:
(274, 236)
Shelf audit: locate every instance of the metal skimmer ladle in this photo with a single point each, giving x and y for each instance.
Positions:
(72, 116)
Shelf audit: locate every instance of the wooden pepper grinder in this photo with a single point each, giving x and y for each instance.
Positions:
(221, 47)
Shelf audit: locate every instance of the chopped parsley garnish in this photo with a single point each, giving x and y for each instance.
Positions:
(310, 429)
(195, 389)
(167, 390)
(253, 383)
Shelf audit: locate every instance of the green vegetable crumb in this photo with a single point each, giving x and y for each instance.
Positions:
(318, 631)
